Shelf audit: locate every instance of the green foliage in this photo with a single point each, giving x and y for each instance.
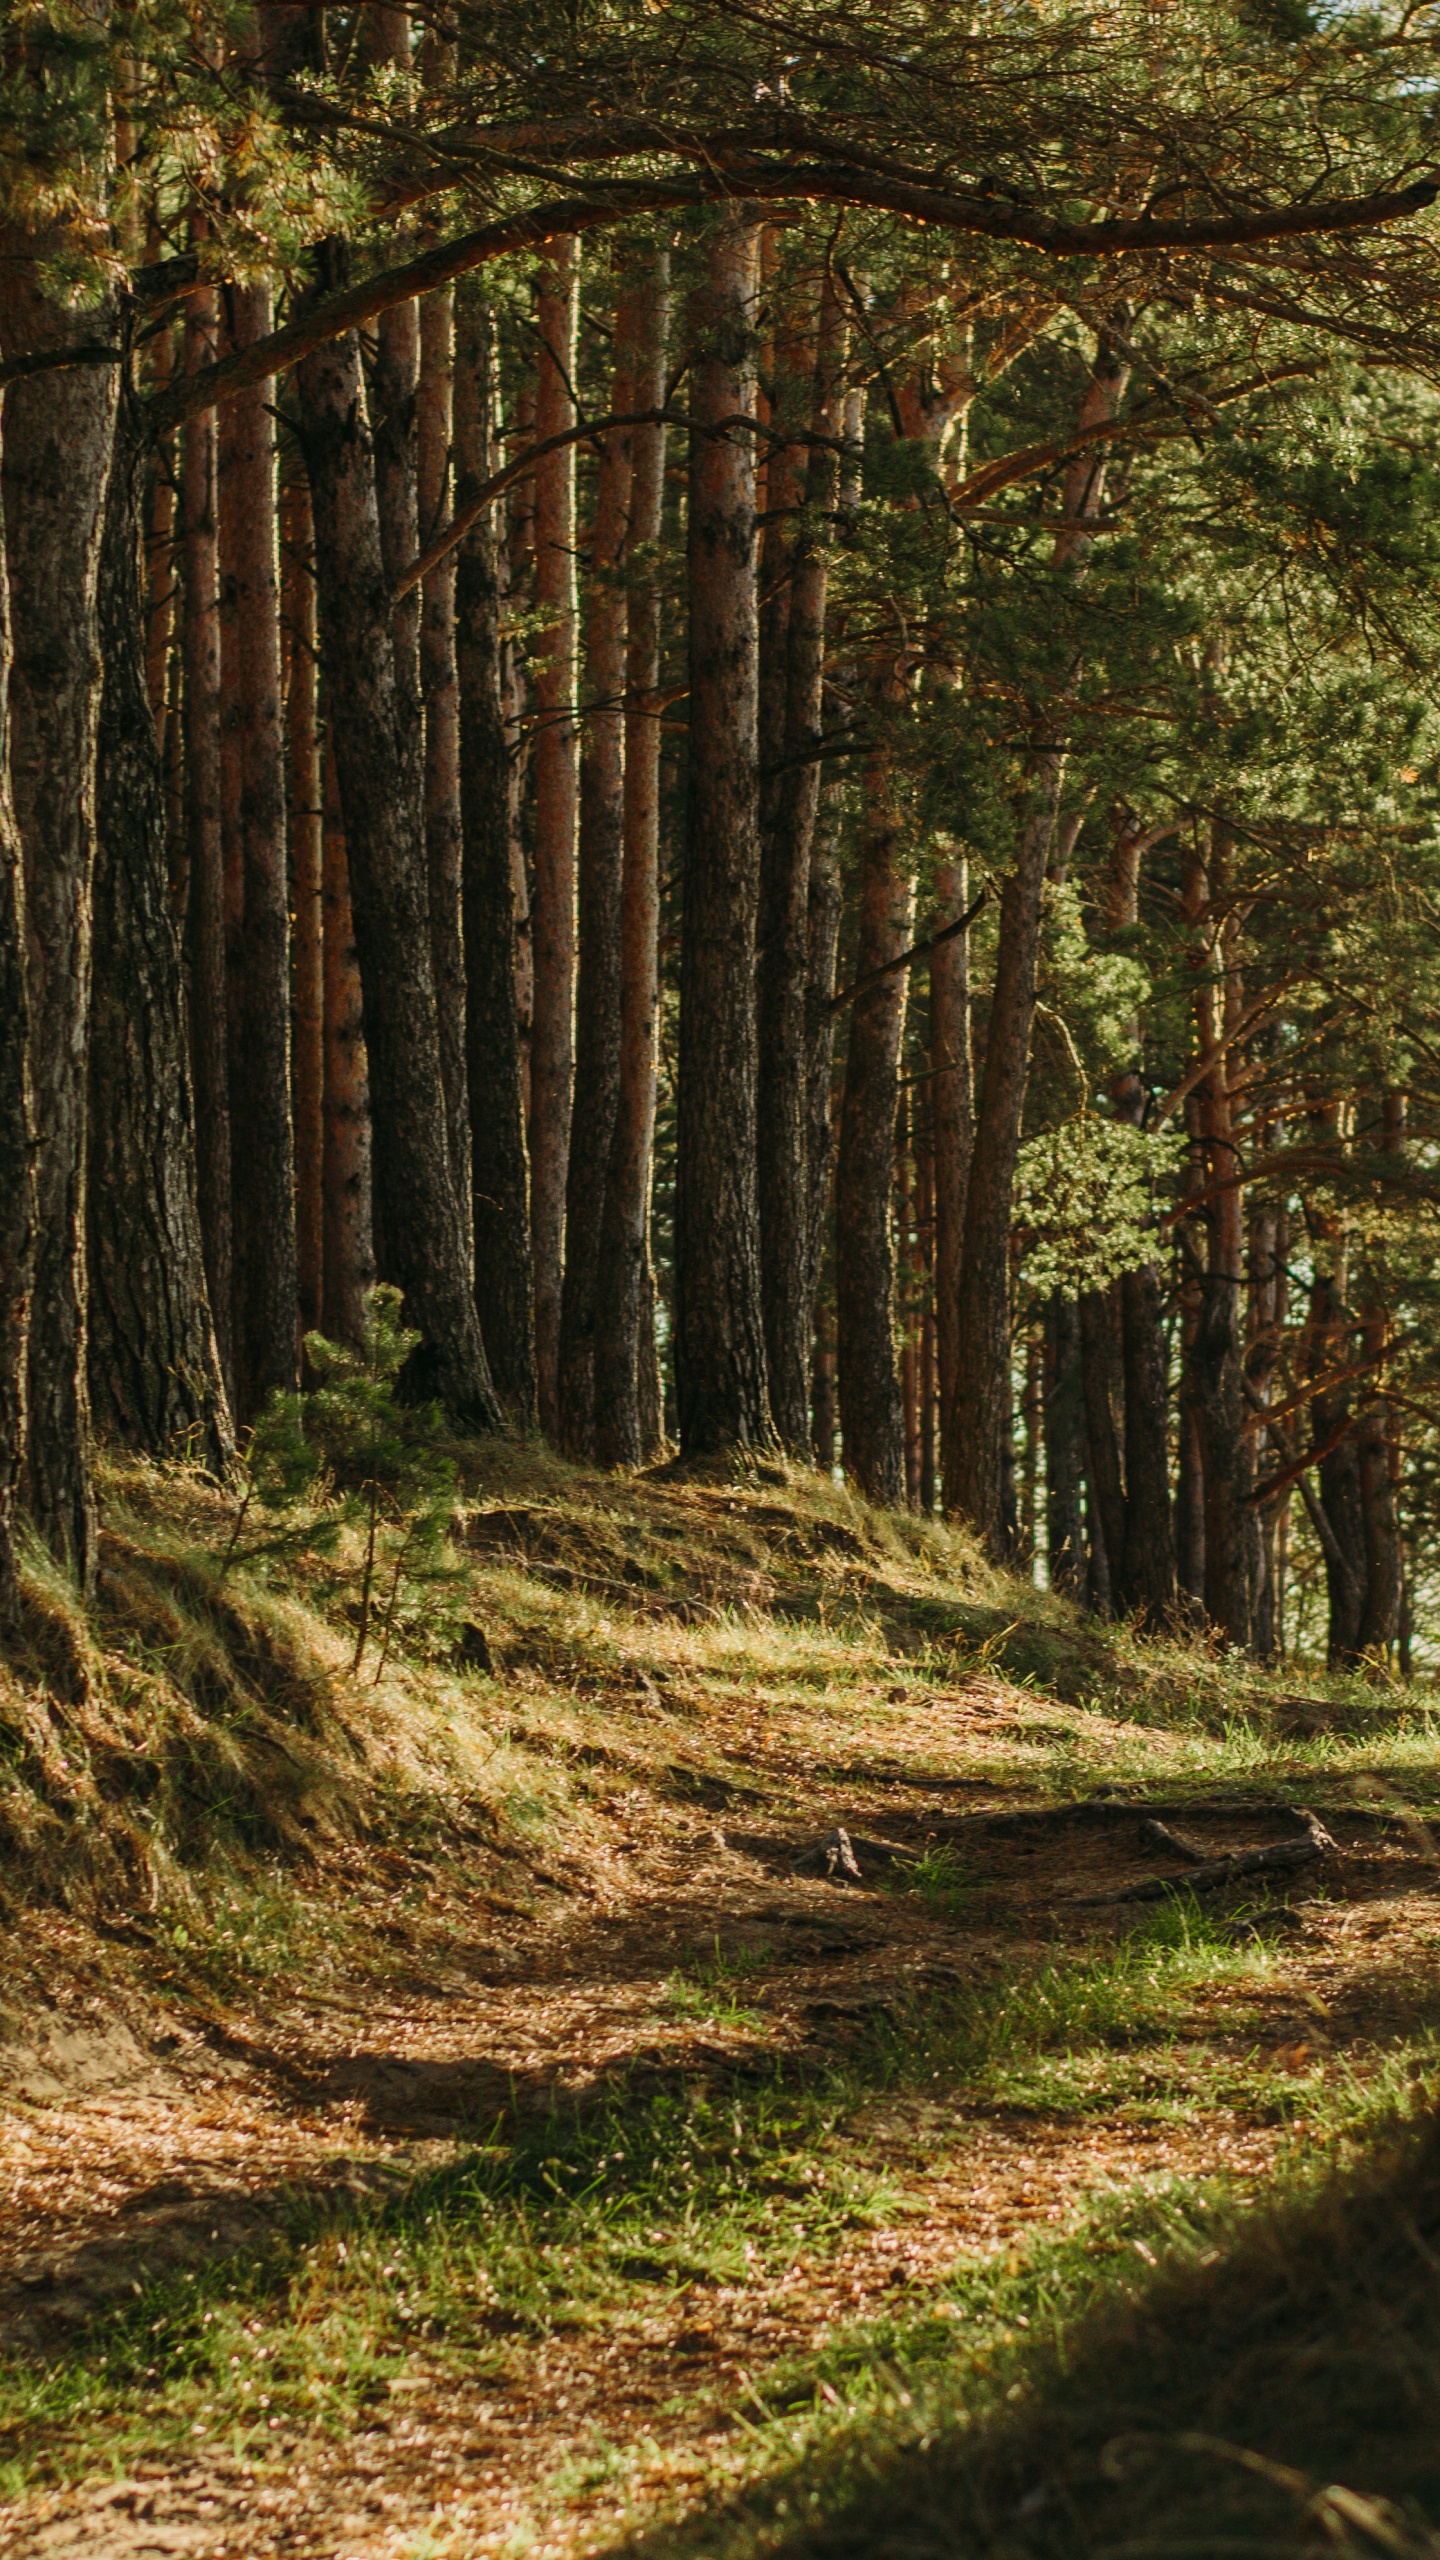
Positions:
(1085, 1201)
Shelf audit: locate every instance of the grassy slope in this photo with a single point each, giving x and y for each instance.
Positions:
(190, 1781)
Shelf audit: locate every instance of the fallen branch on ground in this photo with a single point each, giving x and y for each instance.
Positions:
(1279, 1858)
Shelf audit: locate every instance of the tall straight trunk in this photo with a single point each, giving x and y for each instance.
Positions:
(1378, 1441)
(783, 378)
(825, 1416)
(975, 1482)
(307, 859)
(1329, 1348)
(262, 1135)
(518, 565)
(871, 1417)
(552, 1033)
(625, 1285)
(1268, 1260)
(440, 692)
(925, 1282)
(1100, 1353)
(58, 432)
(204, 836)
(417, 1205)
(17, 1148)
(909, 1305)
(349, 1251)
(1231, 1531)
(1189, 1512)
(160, 564)
(952, 1108)
(229, 433)
(824, 908)
(792, 690)
(1145, 1581)
(499, 1173)
(719, 1326)
(154, 1369)
(601, 892)
(1064, 1417)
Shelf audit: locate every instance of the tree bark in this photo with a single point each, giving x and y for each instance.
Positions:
(154, 1368)
(17, 1148)
(1231, 1531)
(499, 1174)
(871, 1416)
(552, 1033)
(1101, 1369)
(306, 814)
(792, 688)
(417, 1205)
(440, 692)
(625, 1287)
(601, 892)
(205, 842)
(719, 1327)
(1145, 1582)
(262, 1135)
(348, 1238)
(58, 440)
(952, 1104)
(1064, 1449)
(1378, 1444)
(825, 905)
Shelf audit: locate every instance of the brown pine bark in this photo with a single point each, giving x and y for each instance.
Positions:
(499, 1172)
(262, 1135)
(349, 1252)
(1101, 1358)
(975, 1472)
(306, 814)
(952, 1105)
(625, 1288)
(556, 761)
(1145, 1583)
(58, 439)
(204, 836)
(17, 1149)
(719, 1334)
(796, 570)
(925, 1284)
(601, 891)
(440, 693)
(871, 1413)
(1378, 1440)
(160, 564)
(154, 1368)
(417, 1206)
(1064, 1418)
(825, 904)
(1231, 1530)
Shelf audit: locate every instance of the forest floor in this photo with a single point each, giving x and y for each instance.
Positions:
(539, 2143)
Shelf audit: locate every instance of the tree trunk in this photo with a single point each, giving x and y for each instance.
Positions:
(1101, 1369)
(348, 1239)
(625, 1286)
(1269, 1259)
(952, 1105)
(1378, 1449)
(1231, 1531)
(17, 1148)
(1329, 1346)
(552, 1033)
(792, 689)
(307, 861)
(154, 1369)
(1145, 1582)
(1064, 1449)
(871, 1418)
(719, 1327)
(925, 1283)
(417, 1205)
(440, 691)
(499, 1175)
(825, 907)
(601, 892)
(58, 438)
(262, 1138)
(204, 838)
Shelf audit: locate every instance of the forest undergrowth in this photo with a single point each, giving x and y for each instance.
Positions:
(475, 2107)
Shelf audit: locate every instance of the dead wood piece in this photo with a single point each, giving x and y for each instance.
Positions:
(889, 1853)
(1174, 1841)
(833, 1858)
(1279, 1858)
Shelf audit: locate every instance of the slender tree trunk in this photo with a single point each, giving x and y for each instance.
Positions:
(1064, 1392)
(58, 439)
(204, 835)
(871, 1418)
(154, 1369)
(975, 1482)
(825, 907)
(1145, 1585)
(601, 891)
(925, 1282)
(1190, 1478)
(952, 1105)
(17, 1147)
(625, 1285)
(262, 1136)
(552, 1036)
(499, 1174)
(160, 578)
(825, 1405)
(1378, 1452)
(348, 1240)
(719, 1328)
(795, 578)
(417, 1203)
(1231, 1536)
(440, 691)
(1101, 1366)
(909, 1327)
(1269, 1258)
(307, 861)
